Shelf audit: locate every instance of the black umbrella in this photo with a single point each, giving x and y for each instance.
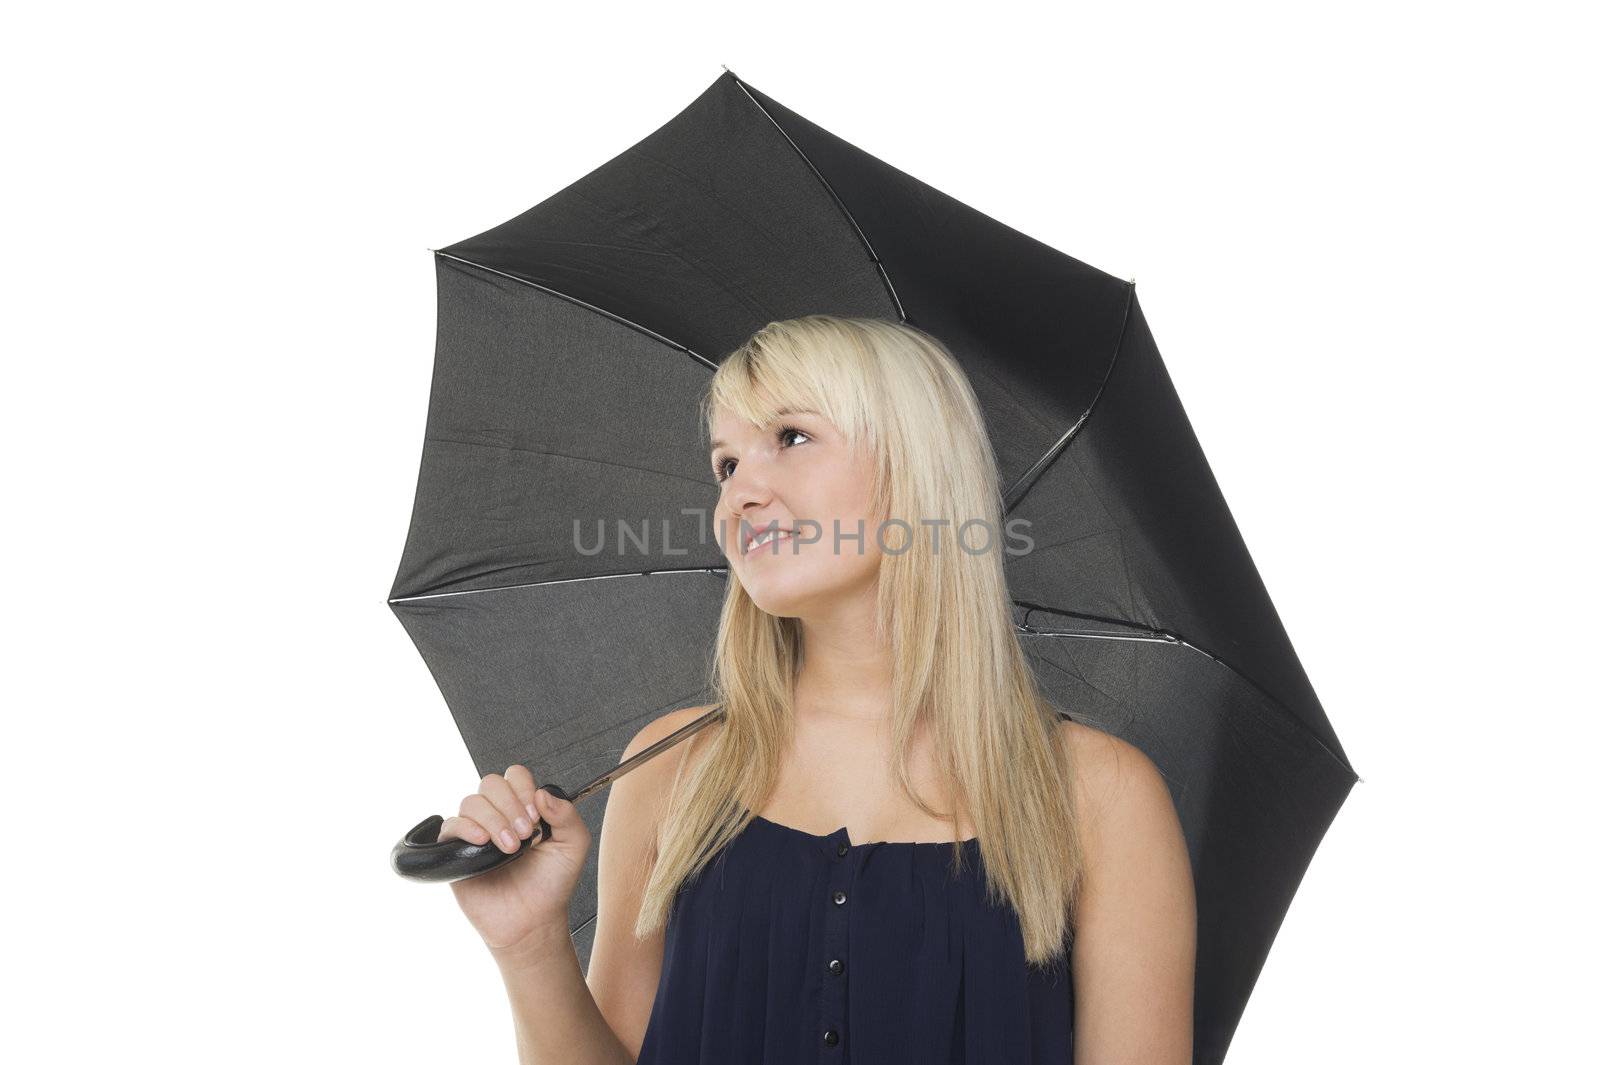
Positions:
(574, 344)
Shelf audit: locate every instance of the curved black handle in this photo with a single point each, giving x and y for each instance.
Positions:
(421, 856)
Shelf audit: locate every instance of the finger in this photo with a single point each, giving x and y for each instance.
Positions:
(463, 828)
(562, 815)
(520, 777)
(498, 790)
(486, 813)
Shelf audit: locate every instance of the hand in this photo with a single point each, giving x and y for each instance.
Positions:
(525, 901)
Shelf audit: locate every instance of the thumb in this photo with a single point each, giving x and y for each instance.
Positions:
(566, 827)
(556, 811)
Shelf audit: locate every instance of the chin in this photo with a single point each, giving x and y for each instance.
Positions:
(797, 593)
(783, 598)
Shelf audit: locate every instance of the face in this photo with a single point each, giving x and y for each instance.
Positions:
(796, 474)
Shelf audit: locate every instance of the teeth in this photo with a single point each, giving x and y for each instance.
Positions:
(764, 537)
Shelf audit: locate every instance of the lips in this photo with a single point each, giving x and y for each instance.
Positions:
(776, 535)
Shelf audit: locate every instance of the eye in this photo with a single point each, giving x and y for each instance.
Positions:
(720, 469)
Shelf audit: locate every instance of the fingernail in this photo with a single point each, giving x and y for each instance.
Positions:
(523, 827)
(532, 813)
(508, 839)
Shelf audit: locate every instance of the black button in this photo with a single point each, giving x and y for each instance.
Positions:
(838, 898)
(844, 848)
(831, 1037)
(836, 966)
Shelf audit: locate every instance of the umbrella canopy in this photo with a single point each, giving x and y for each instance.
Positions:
(574, 344)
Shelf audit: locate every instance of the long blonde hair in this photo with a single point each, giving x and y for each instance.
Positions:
(958, 667)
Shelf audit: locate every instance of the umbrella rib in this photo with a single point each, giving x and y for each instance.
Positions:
(1146, 634)
(1018, 490)
(1014, 494)
(560, 580)
(872, 254)
(1098, 634)
(585, 923)
(585, 304)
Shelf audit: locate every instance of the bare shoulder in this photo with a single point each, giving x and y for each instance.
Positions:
(659, 728)
(646, 784)
(1115, 780)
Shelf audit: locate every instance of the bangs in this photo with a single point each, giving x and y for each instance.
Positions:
(797, 369)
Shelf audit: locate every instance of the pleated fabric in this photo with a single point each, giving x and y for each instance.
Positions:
(790, 948)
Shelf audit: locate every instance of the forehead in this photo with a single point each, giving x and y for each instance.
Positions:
(727, 421)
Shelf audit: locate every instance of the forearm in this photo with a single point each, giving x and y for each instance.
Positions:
(555, 1017)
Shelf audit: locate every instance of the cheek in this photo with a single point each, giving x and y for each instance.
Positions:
(857, 504)
(723, 529)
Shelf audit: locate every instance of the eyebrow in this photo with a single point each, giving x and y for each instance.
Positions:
(775, 414)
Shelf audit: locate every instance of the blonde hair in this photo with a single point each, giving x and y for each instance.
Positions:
(958, 667)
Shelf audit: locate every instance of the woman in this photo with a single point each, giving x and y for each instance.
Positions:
(890, 849)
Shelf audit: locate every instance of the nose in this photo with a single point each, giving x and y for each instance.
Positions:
(747, 490)
(747, 487)
(749, 500)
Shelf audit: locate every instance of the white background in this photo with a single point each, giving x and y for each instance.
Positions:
(1364, 238)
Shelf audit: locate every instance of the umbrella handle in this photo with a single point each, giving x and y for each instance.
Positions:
(420, 855)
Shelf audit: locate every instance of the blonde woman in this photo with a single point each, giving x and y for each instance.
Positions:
(889, 849)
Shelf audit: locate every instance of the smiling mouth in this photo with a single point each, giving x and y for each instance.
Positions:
(757, 544)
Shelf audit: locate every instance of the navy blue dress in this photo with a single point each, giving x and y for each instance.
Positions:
(791, 947)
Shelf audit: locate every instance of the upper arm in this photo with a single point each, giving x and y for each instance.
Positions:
(623, 970)
(1134, 940)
